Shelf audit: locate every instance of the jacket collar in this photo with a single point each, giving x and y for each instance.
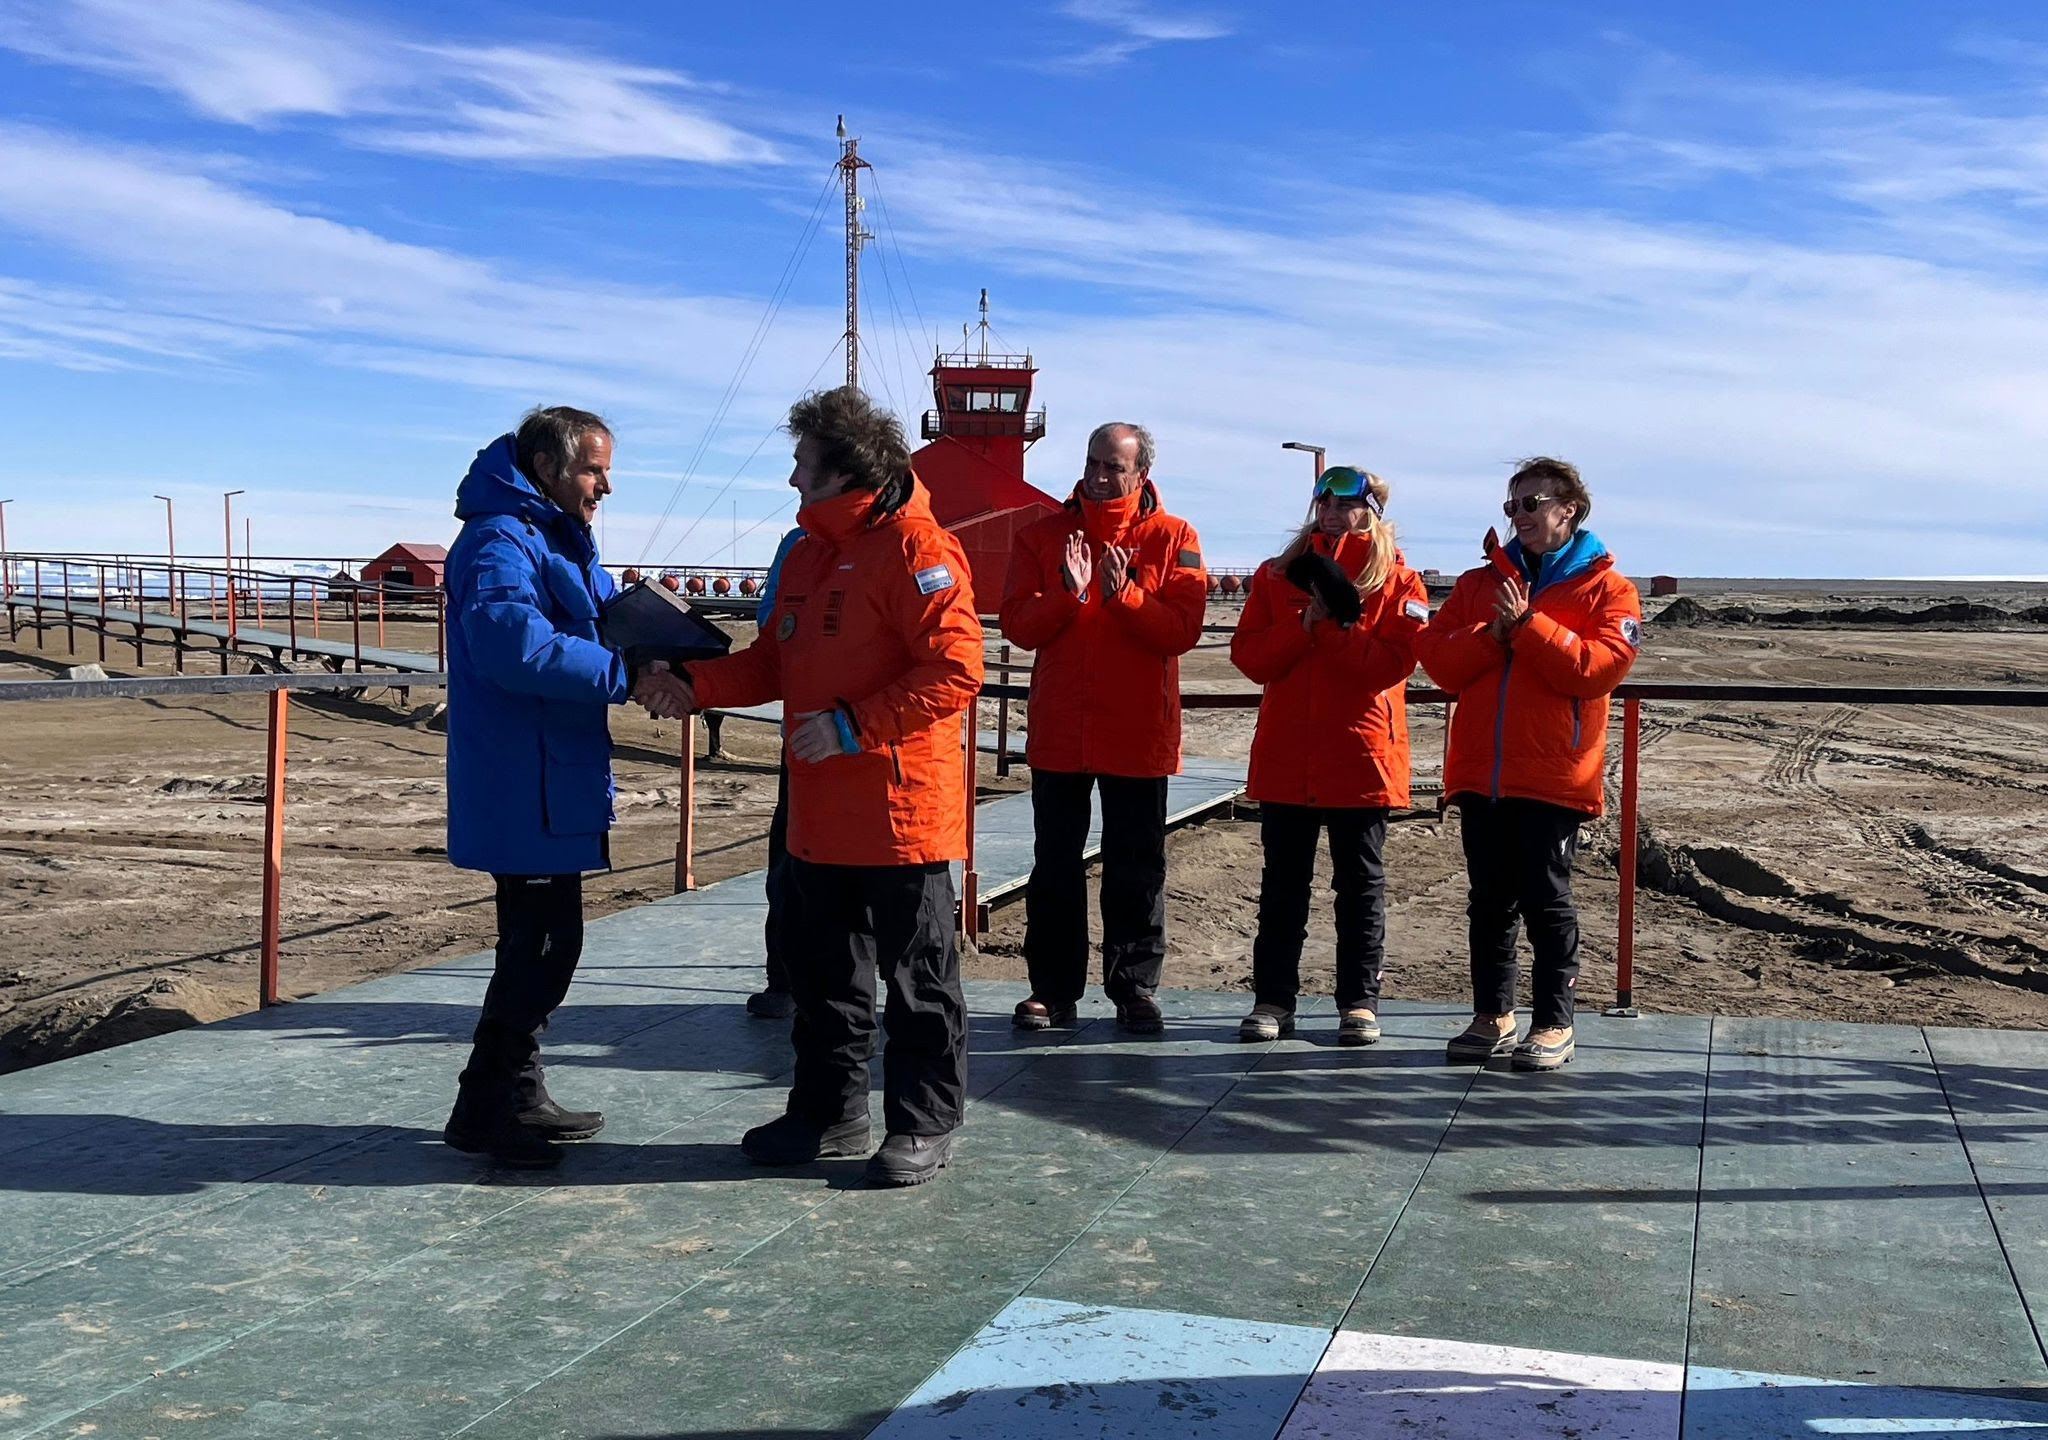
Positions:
(1106, 521)
(1579, 554)
(851, 512)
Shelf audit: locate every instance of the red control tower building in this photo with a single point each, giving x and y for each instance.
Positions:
(974, 463)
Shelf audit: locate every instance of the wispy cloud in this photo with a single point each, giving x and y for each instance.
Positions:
(258, 65)
(1134, 27)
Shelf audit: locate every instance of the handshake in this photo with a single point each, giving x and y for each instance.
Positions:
(670, 696)
(667, 695)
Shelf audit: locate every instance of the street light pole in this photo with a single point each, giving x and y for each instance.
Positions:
(6, 569)
(1315, 454)
(227, 559)
(171, 560)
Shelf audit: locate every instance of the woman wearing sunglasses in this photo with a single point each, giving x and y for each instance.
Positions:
(1329, 630)
(1531, 644)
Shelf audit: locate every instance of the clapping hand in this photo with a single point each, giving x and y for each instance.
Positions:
(1510, 608)
(816, 737)
(1116, 570)
(1076, 568)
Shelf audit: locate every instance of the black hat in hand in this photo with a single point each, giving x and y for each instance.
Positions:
(1325, 579)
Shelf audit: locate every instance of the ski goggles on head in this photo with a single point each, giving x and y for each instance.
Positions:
(1343, 482)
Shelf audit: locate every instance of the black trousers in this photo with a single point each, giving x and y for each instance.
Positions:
(1133, 886)
(778, 883)
(1518, 857)
(846, 922)
(1358, 838)
(540, 939)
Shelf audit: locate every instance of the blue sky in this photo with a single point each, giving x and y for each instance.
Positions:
(1775, 276)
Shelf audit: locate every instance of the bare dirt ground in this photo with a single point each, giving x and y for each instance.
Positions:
(1815, 861)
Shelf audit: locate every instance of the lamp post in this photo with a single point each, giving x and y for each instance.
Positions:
(227, 559)
(1315, 453)
(6, 569)
(171, 558)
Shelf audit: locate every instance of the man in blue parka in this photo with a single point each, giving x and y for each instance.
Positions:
(529, 753)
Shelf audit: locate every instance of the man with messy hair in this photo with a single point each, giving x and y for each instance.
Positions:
(875, 651)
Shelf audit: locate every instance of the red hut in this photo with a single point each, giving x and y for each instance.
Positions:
(408, 564)
(974, 463)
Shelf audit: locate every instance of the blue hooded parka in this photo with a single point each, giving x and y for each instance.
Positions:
(529, 745)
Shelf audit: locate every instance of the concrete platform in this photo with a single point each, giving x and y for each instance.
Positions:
(1710, 1228)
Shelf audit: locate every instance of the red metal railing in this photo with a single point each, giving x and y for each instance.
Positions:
(1632, 697)
(114, 596)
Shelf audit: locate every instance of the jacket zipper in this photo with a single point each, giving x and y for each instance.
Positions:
(1500, 719)
(1575, 723)
(896, 760)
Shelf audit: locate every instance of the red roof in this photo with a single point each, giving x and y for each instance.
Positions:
(433, 554)
(965, 483)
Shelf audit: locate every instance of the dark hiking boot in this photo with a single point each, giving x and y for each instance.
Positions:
(910, 1159)
(552, 1122)
(1357, 1025)
(771, 1004)
(504, 1140)
(1140, 1015)
(1036, 1014)
(787, 1140)
(1266, 1022)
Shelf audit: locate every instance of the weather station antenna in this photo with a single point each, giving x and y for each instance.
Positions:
(850, 166)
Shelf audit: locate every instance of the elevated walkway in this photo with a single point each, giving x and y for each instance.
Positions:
(246, 637)
(1707, 1227)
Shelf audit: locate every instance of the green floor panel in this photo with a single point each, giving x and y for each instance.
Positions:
(824, 1330)
(1997, 1087)
(208, 1273)
(1841, 1232)
(1558, 1213)
(469, 1322)
(1275, 1204)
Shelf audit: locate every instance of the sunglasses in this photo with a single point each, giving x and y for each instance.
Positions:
(1342, 482)
(1528, 504)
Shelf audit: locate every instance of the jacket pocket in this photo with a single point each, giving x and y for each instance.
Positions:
(576, 781)
(568, 590)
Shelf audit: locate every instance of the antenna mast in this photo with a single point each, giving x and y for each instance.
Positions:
(850, 166)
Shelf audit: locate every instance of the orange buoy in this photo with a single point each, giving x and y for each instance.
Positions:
(747, 585)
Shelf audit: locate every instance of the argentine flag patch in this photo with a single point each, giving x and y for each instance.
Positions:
(1417, 611)
(934, 578)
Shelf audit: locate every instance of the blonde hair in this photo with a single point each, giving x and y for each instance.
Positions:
(1380, 530)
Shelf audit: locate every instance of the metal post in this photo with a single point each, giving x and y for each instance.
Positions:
(291, 608)
(273, 844)
(1625, 944)
(99, 570)
(686, 835)
(70, 616)
(39, 606)
(1003, 718)
(227, 506)
(970, 878)
(380, 614)
(355, 616)
(6, 567)
(440, 629)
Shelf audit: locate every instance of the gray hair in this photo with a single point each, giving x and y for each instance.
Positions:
(557, 432)
(1147, 450)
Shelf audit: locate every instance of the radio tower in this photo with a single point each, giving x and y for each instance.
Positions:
(850, 166)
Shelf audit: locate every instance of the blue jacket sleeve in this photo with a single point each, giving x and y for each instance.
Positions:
(514, 644)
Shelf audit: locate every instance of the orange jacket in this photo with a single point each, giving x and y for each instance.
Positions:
(1532, 716)
(1105, 690)
(1333, 726)
(873, 618)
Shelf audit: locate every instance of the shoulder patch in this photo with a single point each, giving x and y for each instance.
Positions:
(1417, 611)
(934, 578)
(1189, 559)
(1632, 631)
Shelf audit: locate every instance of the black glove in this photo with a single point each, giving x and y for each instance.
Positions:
(1325, 579)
